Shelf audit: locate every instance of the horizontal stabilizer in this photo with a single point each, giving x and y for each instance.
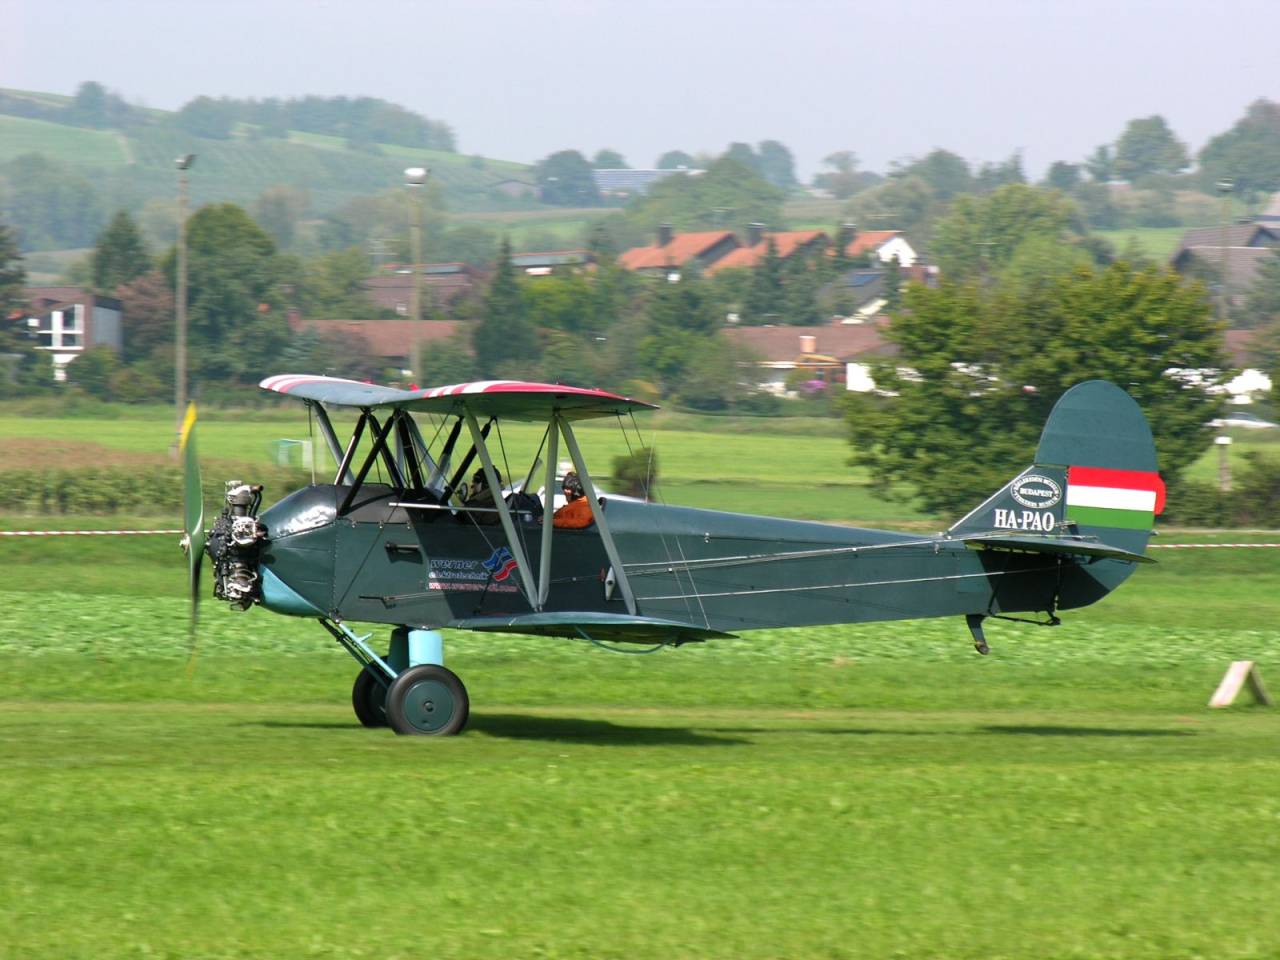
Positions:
(615, 627)
(1068, 545)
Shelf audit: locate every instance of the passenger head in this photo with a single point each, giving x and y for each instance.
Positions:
(572, 486)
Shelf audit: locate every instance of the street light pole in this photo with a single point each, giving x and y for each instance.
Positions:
(415, 179)
(183, 164)
(1225, 186)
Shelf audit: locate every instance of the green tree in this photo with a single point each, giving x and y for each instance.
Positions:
(1063, 176)
(89, 107)
(844, 179)
(743, 154)
(989, 363)
(1263, 305)
(206, 117)
(727, 196)
(776, 164)
(564, 179)
(49, 205)
(92, 371)
(1101, 165)
(236, 316)
(679, 318)
(278, 210)
(1148, 146)
(119, 256)
(1248, 153)
(946, 173)
(766, 300)
(674, 160)
(899, 203)
(24, 368)
(980, 234)
(13, 276)
(504, 341)
(147, 317)
(993, 176)
(564, 303)
(607, 159)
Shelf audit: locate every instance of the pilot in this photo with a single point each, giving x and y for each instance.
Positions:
(576, 512)
(481, 496)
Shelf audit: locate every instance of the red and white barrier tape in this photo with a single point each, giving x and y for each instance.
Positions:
(86, 533)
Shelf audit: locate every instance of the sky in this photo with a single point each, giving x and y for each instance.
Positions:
(519, 79)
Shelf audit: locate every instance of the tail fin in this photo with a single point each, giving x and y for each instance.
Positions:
(1094, 477)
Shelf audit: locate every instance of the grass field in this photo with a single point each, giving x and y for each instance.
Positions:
(852, 791)
(1157, 243)
(19, 135)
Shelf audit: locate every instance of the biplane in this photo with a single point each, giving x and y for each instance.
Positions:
(393, 538)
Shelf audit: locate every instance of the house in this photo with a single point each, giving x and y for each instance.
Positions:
(1251, 383)
(632, 183)
(857, 295)
(883, 245)
(786, 244)
(1243, 246)
(832, 353)
(677, 251)
(443, 284)
(553, 261)
(69, 320)
(389, 340)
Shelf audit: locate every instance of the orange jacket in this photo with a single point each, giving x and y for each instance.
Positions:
(574, 515)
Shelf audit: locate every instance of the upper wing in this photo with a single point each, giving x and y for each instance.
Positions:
(1069, 546)
(512, 399)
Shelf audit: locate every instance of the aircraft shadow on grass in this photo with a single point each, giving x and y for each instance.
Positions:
(514, 726)
(1035, 731)
(1059, 731)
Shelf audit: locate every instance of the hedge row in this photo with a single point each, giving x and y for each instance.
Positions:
(137, 491)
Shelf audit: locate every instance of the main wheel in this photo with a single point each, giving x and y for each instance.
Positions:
(427, 700)
(369, 699)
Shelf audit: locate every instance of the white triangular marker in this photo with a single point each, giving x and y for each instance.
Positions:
(1234, 679)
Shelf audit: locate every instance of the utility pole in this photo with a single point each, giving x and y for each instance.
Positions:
(415, 180)
(183, 163)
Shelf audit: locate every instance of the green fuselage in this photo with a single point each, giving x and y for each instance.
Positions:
(727, 572)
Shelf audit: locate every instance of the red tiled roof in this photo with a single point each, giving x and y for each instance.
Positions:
(869, 240)
(843, 341)
(785, 243)
(382, 338)
(682, 248)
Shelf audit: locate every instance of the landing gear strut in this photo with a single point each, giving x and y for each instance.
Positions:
(409, 689)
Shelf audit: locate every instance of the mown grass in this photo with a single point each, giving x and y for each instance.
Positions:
(98, 148)
(872, 791)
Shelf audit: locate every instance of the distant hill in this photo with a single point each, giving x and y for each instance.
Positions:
(128, 165)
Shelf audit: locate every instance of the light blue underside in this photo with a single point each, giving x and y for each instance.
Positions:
(279, 597)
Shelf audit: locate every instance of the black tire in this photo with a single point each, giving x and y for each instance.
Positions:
(427, 700)
(369, 699)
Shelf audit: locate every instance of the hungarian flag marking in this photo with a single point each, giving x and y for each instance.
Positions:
(1099, 497)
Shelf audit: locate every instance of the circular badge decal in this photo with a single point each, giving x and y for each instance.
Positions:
(1036, 491)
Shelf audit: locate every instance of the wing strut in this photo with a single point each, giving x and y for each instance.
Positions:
(548, 511)
(326, 431)
(597, 513)
(504, 514)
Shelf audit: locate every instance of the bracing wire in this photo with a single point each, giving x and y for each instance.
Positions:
(604, 646)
